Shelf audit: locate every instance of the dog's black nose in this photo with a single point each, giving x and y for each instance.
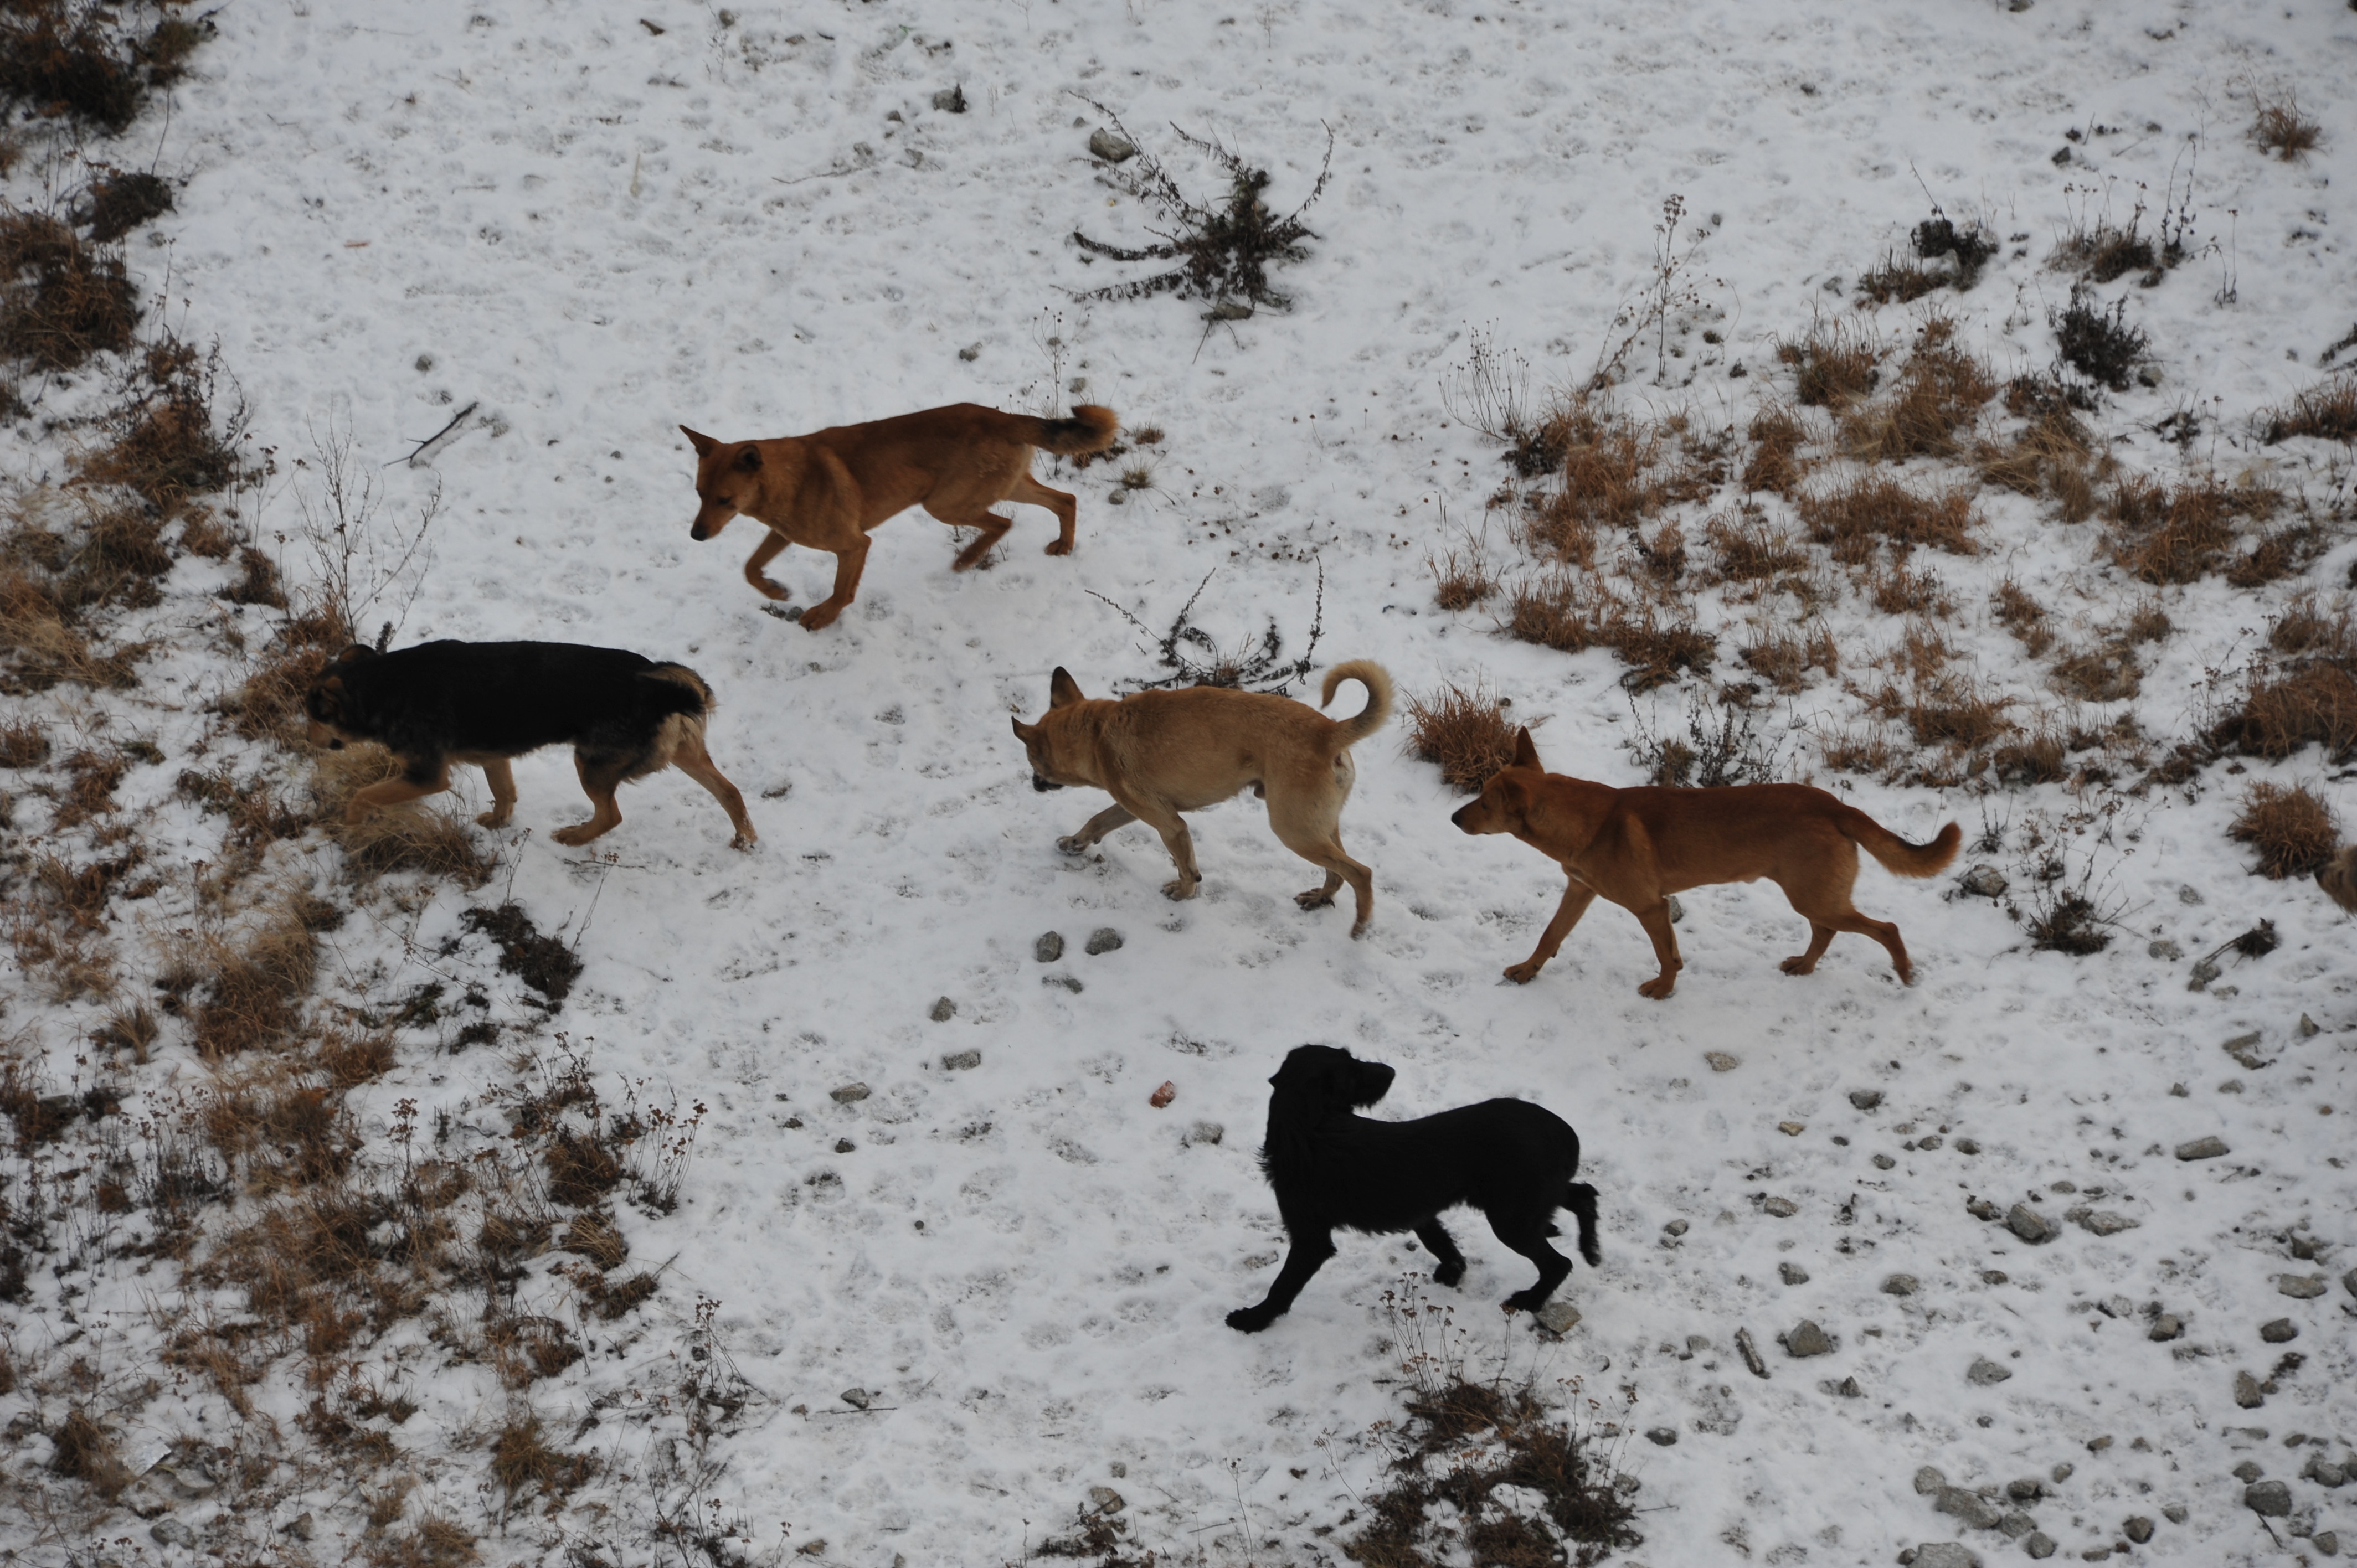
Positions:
(335, 746)
(1457, 816)
(1043, 785)
(695, 532)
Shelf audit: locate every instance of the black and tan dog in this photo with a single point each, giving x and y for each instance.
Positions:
(485, 702)
(1330, 1170)
(829, 490)
(1161, 753)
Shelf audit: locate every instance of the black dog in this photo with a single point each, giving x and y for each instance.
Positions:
(484, 703)
(1508, 1158)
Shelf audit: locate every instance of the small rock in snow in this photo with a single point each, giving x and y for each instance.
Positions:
(1807, 1341)
(1928, 1480)
(1104, 938)
(2162, 948)
(1901, 1285)
(2116, 1307)
(2175, 1513)
(2246, 1391)
(1164, 1095)
(2138, 1528)
(1884, 1162)
(1104, 1499)
(2281, 1331)
(1721, 1062)
(951, 100)
(1791, 1129)
(2245, 1049)
(2097, 1444)
(2037, 1544)
(2028, 1224)
(844, 1145)
(971, 352)
(1968, 1507)
(1112, 148)
(1782, 1207)
(848, 1094)
(1967, 1146)
(2270, 1499)
(1750, 1353)
(1674, 1228)
(2248, 1471)
(2309, 1027)
(2300, 1287)
(1049, 948)
(1982, 1209)
(2101, 1222)
(2060, 1473)
(1662, 1436)
(2203, 973)
(2028, 1489)
(2016, 1525)
(1983, 1372)
(300, 1527)
(2209, 1148)
(1792, 1273)
(2188, 895)
(2166, 1327)
(171, 1532)
(1071, 983)
(1866, 1099)
(858, 1399)
(1558, 1318)
(1847, 1389)
(1946, 1554)
(943, 1011)
(960, 1061)
(1982, 881)
(2325, 1473)
(2326, 1541)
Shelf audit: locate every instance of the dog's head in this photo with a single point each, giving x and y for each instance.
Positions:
(1506, 799)
(1327, 1079)
(1050, 744)
(728, 473)
(329, 703)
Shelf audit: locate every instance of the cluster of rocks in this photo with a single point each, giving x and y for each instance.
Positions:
(1050, 948)
(2006, 1510)
(2274, 1500)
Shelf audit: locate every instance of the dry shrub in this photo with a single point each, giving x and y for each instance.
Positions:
(1747, 548)
(1904, 282)
(2285, 707)
(1898, 590)
(2097, 343)
(1465, 730)
(254, 991)
(2294, 832)
(2328, 412)
(41, 647)
(2165, 535)
(2022, 615)
(284, 1128)
(83, 63)
(81, 893)
(1783, 656)
(580, 1169)
(120, 201)
(593, 1236)
(2146, 622)
(23, 746)
(1834, 365)
(2052, 455)
(1462, 576)
(1852, 518)
(165, 448)
(1551, 611)
(1950, 709)
(2040, 757)
(1562, 611)
(522, 1461)
(1939, 394)
(1856, 749)
(2107, 672)
(1662, 558)
(2283, 128)
(2277, 554)
(257, 813)
(1606, 479)
(1776, 464)
(268, 705)
(84, 1452)
(61, 299)
(543, 962)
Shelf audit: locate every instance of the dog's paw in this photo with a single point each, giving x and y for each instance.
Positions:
(770, 590)
(492, 820)
(745, 840)
(1059, 547)
(1250, 1319)
(1658, 988)
(1526, 1301)
(820, 616)
(1524, 973)
(573, 837)
(1181, 889)
(1449, 1274)
(1072, 843)
(1801, 963)
(1315, 898)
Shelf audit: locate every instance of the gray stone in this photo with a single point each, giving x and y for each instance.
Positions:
(971, 352)
(2248, 1471)
(2282, 1331)
(951, 100)
(1929, 1480)
(1967, 1146)
(168, 1532)
(2203, 973)
(1782, 1207)
(2101, 1221)
(1662, 1436)
(2325, 1473)
(2209, 1148)
(1720, 1061)
(2037, 1544)
(300, 1527)
(2300, 1287)
(2162, 948)
(1558, 1318)
(849, 1094)
(960, 1061)
(1982, 881)
(2166, 1327)
(2189, 895)
(2326, 1543)
(2137, 1528)
(1847, 1389)
(1883, 1162)
(2309, 1027)
(1677, 909)
(1104, 1499)
(1986, 1372)
(2017, 1524)
(1901, 1285)
(2116, 1306)
(1104, 938)
(943, 1010)
(2270, 1499)
(1866, 1099)
(2097, 1444)
(1674, 1228)
(2060, 1473)
(858, 1399)
(1968, 1507)
(1946, 1554)
(2175, 1513)
(2246, 1391)
(1750, 1353)
(1807, 1341)
(1983, 1209)
(1112, 148)
(2243, 1049)
(1206, 1133)
(2028, 1489)
(1792, 1273)
(1049, 948)
(2028, 1224)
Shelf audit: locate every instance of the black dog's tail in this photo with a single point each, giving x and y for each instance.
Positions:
(1580, 1198)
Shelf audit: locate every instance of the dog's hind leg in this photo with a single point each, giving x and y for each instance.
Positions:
(692, 759)
(1095, 828)
(993, 529)
(1306, 819)
(1656, 921)
(767, 551)
(1821, 935)
(600, 779)
(1528, 1236)
(1310, 1253)
(1031, 492)
(500, 777)
(1443, 1247)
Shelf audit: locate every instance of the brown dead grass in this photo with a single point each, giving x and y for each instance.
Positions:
(61, 299)
(1776, 464)
(1465, 730)
(1783, 656)
(1897, 589)
(2023, 616)
(2293, 830)
(268, 704)
(23, 746)
(1853, 517)
(2165, 534)
(1748, 549)
(1836, 364)
(2284, 128)
(2307, 695)
(1462, 576)
(415, 837)
(1939, 397)
(2327, 411)
(163, 446)
(2106, 672)
(254, 989)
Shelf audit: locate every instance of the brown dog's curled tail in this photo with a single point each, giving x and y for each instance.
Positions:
(1090, 429)
(2338, 878)
(1898, 856)
(1351, 732)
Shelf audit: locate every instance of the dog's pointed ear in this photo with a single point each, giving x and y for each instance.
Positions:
(702, 443)
(1023, 731)
(1062, 690)
(1526, 753)
(749, 459)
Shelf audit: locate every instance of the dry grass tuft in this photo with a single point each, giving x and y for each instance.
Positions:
(165, 448)
(523, 1462)
(2327, 411)
(2108, 673)
(2022, 615)
(1465, 730)
(2294, 832)
(84, 1452)
(1836, 364)
(1462, 576)
(2165, 535)
(1897, 589)
(1783, 656)
(254, 991)
(412, 837)
(23, 746)
(2283, 128)
(1776, 464)
(1852, 518)
(1748, 549)
(2308, 695)
(61, 299)
(1941, 392)
(268, 705)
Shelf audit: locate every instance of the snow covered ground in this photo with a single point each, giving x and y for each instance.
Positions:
(599, 221)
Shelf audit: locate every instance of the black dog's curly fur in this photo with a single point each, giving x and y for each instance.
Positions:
(1508, 1158)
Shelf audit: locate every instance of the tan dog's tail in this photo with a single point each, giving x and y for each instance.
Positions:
(1898, 856)
(1351, 732)
(1090, 429)
(2338, 878)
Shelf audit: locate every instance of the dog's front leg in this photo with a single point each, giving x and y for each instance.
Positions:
(848, 565)
(1576, 897)
(1095, 828)
(1443, 1247)
(767, 551)
(1310, 1250)
(413, 784)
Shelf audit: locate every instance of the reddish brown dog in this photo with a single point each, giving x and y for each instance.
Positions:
(830, 490)
(1636, 847)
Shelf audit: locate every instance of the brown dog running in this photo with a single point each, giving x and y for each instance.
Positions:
(1161, 753)
(1636, 847)
(830, 490)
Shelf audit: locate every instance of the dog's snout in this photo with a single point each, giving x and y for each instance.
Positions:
(1041, 784)
(1457, 817)
(697, 531)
